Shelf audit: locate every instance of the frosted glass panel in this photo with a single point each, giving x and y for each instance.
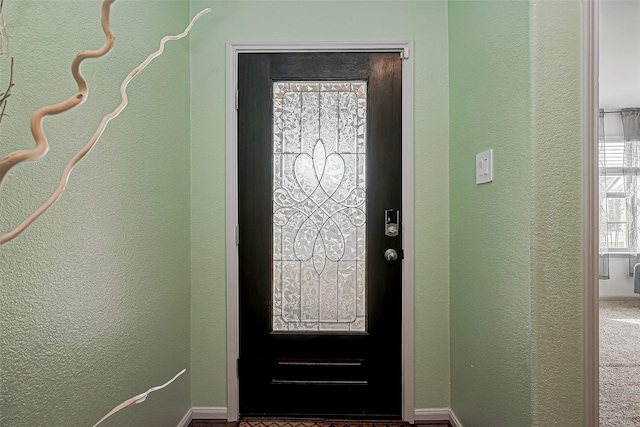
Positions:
(319, 206)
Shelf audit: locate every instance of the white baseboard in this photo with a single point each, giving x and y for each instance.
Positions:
(437, 414)
(432, 414)
(203, 413)
(209, 413)
(184, 422)
(455, 422)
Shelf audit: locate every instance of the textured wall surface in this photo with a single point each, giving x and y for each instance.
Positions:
(426, 23)
(516, 285)
(556, 227)
(490, 280)
(94, 297)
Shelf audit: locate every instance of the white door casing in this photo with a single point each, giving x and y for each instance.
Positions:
(404, 49)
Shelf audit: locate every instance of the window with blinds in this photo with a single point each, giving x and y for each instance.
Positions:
(613, 197)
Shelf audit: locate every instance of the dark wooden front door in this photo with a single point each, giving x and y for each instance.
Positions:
(320, 176)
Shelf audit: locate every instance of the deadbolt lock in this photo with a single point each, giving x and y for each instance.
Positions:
(391, 222)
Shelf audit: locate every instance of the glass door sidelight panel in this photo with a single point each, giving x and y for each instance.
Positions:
(319, 206)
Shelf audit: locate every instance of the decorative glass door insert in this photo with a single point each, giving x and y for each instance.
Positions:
(319, 206)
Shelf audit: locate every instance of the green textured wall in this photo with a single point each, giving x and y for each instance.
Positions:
(426, 23)
(557, 224)
(516, 286)
(490, 278)
(94, 297)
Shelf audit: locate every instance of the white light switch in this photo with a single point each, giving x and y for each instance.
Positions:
(484, 167)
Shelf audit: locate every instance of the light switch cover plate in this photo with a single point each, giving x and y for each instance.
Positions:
(484, 167)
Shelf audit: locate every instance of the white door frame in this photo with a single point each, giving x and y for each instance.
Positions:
(405, 50)
(590, 105)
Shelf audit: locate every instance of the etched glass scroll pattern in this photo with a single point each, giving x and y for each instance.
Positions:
(319, 206)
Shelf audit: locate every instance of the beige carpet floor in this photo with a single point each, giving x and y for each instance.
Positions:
(620, 363)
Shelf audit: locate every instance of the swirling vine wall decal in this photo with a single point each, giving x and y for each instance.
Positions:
(42, 145)
(138, 399)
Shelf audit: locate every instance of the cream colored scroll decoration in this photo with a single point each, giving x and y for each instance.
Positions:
(42, 145)
(138, 399)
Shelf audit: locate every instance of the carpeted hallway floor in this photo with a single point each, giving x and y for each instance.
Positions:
(620, 363)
